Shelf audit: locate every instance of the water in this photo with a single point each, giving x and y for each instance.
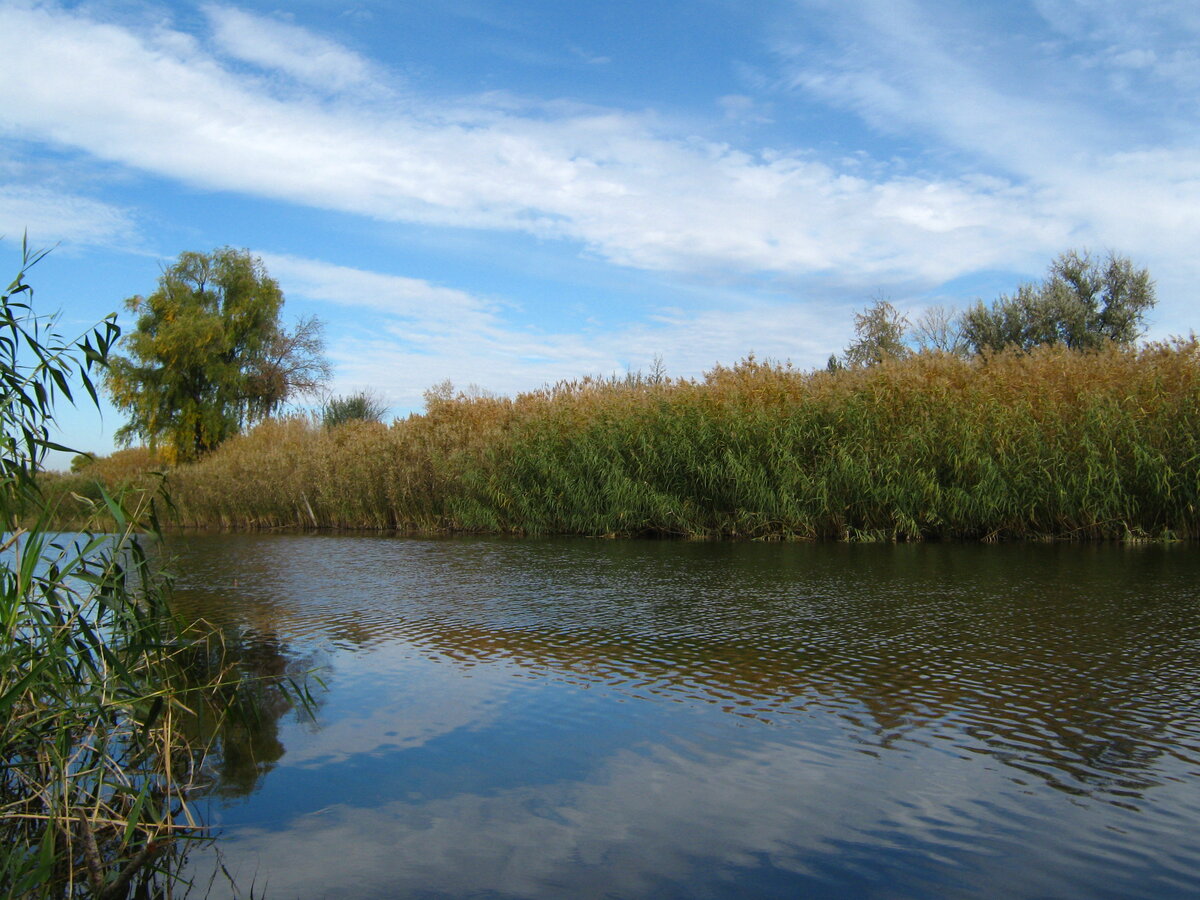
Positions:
(573, 718)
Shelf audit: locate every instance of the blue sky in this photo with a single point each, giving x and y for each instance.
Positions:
(510, 193)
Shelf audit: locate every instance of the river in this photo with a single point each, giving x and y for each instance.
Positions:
(658, 719)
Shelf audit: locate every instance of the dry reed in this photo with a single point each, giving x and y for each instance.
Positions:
(1047, 444)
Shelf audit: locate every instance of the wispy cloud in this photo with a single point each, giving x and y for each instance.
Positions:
(1033, 102)
(1128, 45)
(929, 69)
(283, 47)
(1063, 110)
(592, 59)
(626, 186)
(429, 333)
(1018, 162)
(50, 216)
(419, 302)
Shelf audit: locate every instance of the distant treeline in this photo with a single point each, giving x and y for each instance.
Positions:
(1051, 443)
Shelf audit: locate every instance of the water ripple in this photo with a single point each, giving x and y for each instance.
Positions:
(916, 710)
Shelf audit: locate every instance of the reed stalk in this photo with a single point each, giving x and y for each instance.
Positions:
(100, 684)
(1052, 443)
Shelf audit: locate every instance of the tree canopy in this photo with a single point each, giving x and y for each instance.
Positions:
(1083, 303)
(209, 356)
(362, 406)
(879, 334)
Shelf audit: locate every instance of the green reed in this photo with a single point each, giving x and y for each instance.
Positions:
(1048, 444)
(100, 684)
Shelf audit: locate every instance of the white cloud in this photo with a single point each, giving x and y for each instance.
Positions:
(620, 184)
(1157, 34)
(50, 216)
(907, 67)
(1085, 162)
(280, 46)
(592, 59)
(1052, 171)
(430, 333)
(413, 299)
(743, 110)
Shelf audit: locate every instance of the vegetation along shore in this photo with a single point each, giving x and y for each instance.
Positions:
(1037, 416)
(113, 711)
(1015, 444)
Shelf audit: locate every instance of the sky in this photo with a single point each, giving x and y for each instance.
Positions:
(505, 194)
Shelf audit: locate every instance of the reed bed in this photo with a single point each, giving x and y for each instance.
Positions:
(1047, 444)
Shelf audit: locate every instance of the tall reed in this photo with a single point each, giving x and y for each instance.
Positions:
(100, 685)
(1051, 443)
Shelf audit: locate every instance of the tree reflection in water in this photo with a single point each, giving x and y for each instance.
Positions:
(644, 719)
(243, 737)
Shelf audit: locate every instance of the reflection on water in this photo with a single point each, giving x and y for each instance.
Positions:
(657, 719)
(241, 733)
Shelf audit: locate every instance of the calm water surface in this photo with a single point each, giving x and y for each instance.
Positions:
(571, 718)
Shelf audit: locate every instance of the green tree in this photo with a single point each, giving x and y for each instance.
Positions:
(363, 406)
(879, 331)
(208, 355)
(81, 461)
(1083, 303)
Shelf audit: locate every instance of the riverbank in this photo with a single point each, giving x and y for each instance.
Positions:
(1049, 444)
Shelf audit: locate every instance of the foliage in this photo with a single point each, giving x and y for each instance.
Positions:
(208, 355)
(1082, 304)
(1045, 443)
(97, 678)
(1034, 440)
(879, 331)
(81, 461)
(362, 406)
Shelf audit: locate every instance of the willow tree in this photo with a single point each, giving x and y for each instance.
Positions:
(1083, 303)
(208, 355)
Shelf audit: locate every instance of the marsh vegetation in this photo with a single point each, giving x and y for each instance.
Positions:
(1041, 443)
(111, 707)
(1035, 417)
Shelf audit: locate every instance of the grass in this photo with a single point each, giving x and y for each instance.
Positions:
(1047, 444)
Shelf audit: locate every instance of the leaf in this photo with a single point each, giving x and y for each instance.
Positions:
(135, 814)
(53, 445)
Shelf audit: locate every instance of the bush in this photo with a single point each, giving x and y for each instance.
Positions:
(363, 406)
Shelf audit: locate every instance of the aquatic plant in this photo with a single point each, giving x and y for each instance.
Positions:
(99, 683)
(1048, 443)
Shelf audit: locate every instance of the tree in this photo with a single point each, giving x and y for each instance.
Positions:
(939, 329)
(364, 406)
(880, 335)
(81, 461)
(1083, 303)
(208, 355)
